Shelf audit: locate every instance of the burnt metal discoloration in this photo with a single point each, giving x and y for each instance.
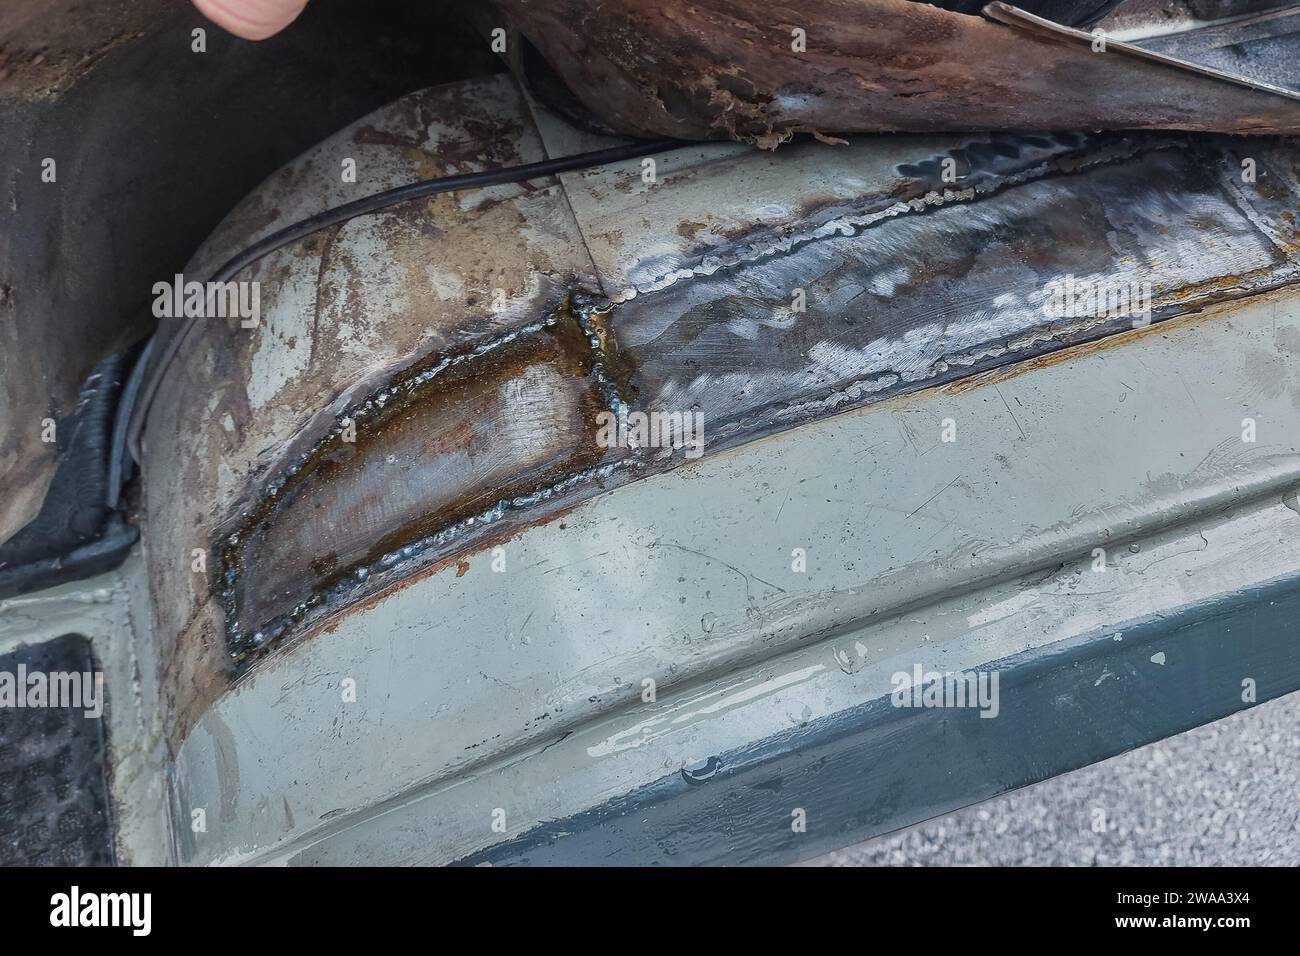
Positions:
(951, 287)
(363, 307)
(447, 448)
(945, 285)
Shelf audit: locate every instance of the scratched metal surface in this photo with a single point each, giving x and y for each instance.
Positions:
(711, 253)
(522, 689)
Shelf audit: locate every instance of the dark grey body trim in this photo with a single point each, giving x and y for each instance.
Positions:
(877, 768)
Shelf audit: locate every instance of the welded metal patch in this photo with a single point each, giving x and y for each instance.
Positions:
(892, 297)
(910, 283)
(344, 313)
(452, 444)
(376, 302)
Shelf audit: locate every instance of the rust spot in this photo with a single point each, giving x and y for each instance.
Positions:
(461, 568)
(446, 446)
(704, 69)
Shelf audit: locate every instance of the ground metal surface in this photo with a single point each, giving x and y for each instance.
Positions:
(700, 318)
(672, 294)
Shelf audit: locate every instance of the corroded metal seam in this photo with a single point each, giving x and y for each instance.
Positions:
(590, 316)
(571, 318)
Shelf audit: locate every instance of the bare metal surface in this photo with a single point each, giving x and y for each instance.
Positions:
(728, 69)
(681, 318)
(904, 288)
(902, 292)
(1134, 19)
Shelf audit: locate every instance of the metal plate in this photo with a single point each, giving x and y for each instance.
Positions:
(470, 683)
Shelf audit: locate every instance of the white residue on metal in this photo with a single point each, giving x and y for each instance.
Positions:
(691, 710)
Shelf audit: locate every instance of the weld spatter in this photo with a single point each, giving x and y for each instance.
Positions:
(572, 348)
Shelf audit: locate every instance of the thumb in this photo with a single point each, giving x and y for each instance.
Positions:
(251, 19)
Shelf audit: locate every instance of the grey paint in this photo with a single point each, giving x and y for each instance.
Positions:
(876, 767)
(112, 610)
(456, 673)
(1211, 560)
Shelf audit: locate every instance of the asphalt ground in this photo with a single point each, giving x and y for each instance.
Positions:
(1225, 794)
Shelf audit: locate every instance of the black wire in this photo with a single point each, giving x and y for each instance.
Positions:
(140, 389)
(429, 187)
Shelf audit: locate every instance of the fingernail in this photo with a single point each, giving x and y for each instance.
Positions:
(251, 19)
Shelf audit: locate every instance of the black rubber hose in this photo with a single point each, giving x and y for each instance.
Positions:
(140, 388)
